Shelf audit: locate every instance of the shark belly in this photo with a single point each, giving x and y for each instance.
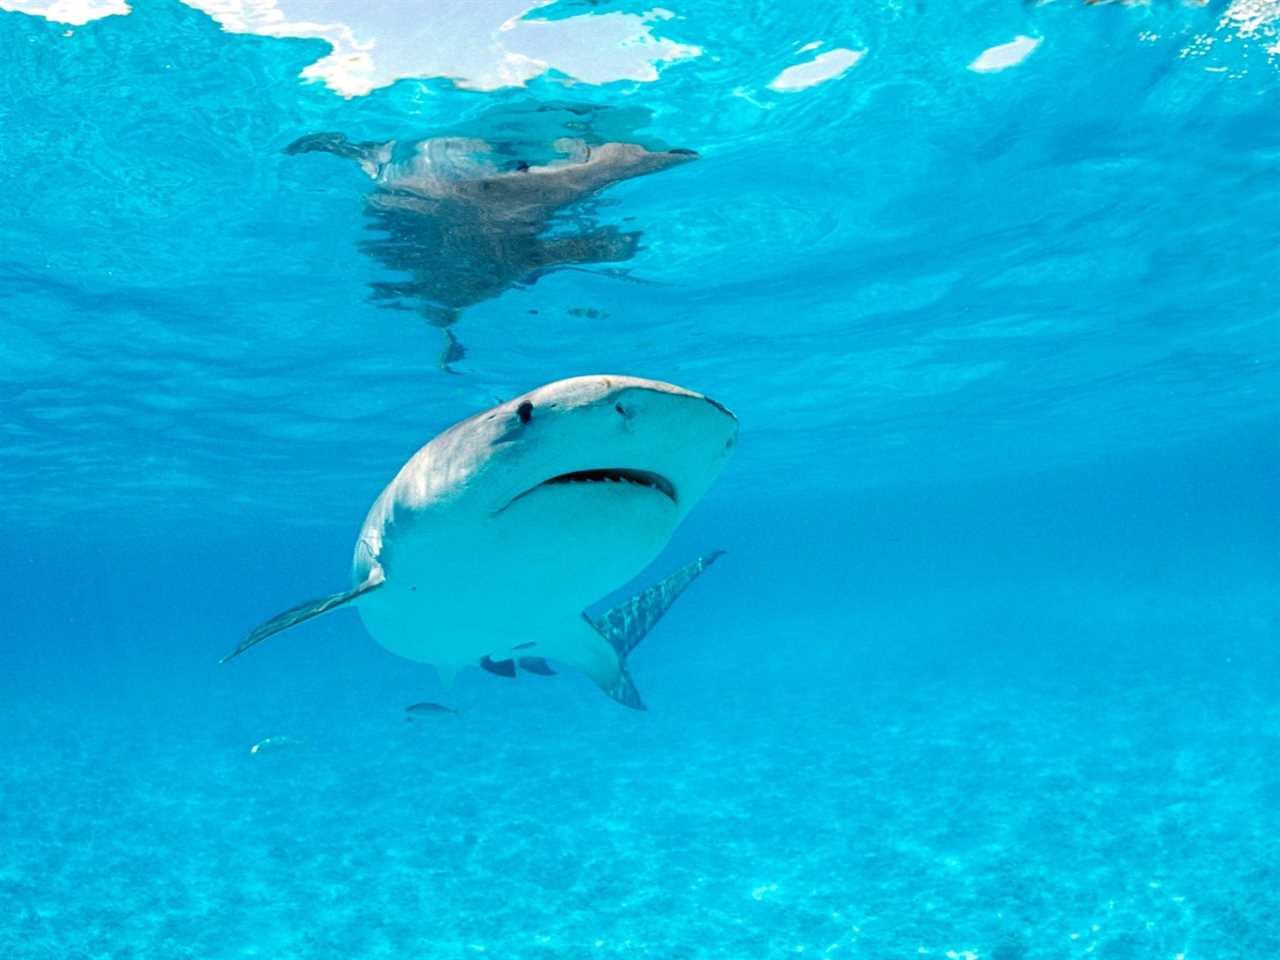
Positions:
(461, 588)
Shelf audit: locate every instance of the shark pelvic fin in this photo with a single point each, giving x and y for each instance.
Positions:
(627, 624)
(501, 668)
(305, 611)
(507, 668)
(536, 665)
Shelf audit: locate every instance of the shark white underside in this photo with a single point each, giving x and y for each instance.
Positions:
(495, 537)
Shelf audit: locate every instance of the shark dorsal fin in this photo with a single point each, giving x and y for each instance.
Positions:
(627, 624)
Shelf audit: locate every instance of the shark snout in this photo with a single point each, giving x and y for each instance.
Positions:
(607, 433)
(666, 417)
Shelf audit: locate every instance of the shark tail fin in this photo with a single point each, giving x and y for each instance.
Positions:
(305, 611)
(627, 624)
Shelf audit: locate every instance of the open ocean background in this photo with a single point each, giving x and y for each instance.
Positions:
(991, 667)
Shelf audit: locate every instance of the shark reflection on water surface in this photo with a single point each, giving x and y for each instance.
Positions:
(468, 218)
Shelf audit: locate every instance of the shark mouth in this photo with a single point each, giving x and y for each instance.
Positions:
(642, 478)
(610, 475)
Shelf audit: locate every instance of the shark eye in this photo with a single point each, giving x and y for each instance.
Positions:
(525, 412)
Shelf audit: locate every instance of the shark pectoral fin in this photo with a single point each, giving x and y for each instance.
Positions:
(305, 611)
(536, 665)
(370, 156)
(627, 624)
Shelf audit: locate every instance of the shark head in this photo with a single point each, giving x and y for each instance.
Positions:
(595, 470)
(638, 444)
(622, 161)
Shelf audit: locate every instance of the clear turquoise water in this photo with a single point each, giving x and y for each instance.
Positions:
(989, 668)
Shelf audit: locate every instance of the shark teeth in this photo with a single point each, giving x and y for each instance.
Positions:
(642, 478)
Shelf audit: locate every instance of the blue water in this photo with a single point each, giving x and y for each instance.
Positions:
(990, 667)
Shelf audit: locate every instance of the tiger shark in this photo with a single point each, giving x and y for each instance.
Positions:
(467, 220)
(494, 538)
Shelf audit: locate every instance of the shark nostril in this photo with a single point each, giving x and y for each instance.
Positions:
(621, 409)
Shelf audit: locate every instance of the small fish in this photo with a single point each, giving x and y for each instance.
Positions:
(427, 707)
(274, 743)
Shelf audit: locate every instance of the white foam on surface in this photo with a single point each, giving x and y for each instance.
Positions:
(479, 44)
(823, 67)
(75, 12)
(1005, 55)
(1249, 17)
(1255, 18)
